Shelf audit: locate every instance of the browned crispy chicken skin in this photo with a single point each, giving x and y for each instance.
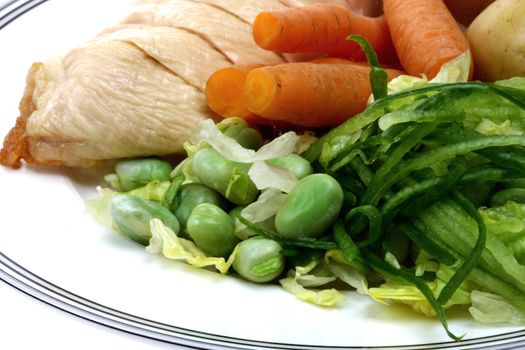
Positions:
(137, 89)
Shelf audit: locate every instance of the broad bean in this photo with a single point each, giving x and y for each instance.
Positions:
(131, 215)
(245, 135)
(190, 196)
(212, 229)
(310, 208)
(294, 163)
(259, 260)
(135, 173)
(227, 177)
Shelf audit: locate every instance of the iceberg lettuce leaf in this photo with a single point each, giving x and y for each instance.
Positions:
(166, 242)
(307, 276)
(98, 207)
(492, 308)
(207, 132)
(266, 176)
(153, 191)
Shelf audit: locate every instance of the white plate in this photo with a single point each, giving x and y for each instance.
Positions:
(51, 249)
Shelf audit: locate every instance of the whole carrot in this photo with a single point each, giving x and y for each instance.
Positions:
(309, 94)
(424, 33)
(322, 28)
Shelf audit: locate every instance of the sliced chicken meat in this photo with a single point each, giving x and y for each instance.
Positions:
(226, 31)
(246, 10)
(194, 63)
(116, 96)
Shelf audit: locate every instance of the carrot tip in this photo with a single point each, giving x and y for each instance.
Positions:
(266, 28)
(260, 89)
(224, 90)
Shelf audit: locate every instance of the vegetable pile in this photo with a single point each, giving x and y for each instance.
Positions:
(419, 198)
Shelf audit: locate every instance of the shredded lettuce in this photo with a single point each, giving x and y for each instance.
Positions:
(98, 207)
(454, 71)
(266, 206)
(266, 176)
(308, 276)
(166, 242)
(207, 132)
(349, 275)
(492, 308)
(306, 139)
(409, 294)
(153, 191)
(489, 127)
(507, 223)
(324, 297)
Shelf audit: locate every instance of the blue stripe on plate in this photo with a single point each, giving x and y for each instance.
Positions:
(13, 9)
(36, 287)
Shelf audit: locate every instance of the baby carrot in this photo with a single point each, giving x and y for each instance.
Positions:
(224, 91)
(224, 94)
(424, 33)
(322, 28)
(309, 94)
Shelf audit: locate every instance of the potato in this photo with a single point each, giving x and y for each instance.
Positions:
(497, 39)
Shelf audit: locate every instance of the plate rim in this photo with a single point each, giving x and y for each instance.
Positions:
(20, 278)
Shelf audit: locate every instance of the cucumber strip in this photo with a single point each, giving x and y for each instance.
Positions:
(374, 226)
(312, 243)
(347, 246)
(446, 184)
(378, 76)
(380, 185)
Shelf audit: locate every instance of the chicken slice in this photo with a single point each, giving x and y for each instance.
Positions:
(246, 10)
(298, 3)
(224, 30)
(107, 99)
(187, 55)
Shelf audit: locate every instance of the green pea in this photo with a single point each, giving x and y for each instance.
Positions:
(212, 229)
(310, 208)
(227, 177)
(132, 215)
(190, 196)
(294, 163)
(136, 173)
(259, 260)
